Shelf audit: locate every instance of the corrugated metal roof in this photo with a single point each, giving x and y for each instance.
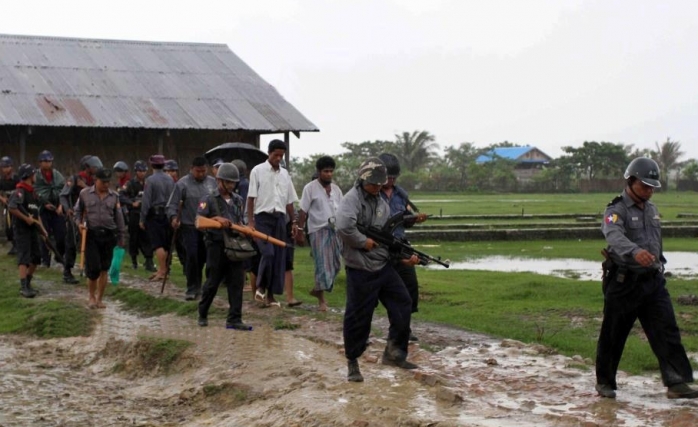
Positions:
(49, 81)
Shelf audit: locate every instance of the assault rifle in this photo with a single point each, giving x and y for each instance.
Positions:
(384, 236)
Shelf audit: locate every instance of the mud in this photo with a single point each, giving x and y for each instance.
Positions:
(297, 377)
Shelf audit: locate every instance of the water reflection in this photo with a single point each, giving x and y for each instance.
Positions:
(681, 264)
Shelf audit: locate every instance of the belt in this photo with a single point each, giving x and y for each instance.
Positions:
(275, 214)
(157, 210)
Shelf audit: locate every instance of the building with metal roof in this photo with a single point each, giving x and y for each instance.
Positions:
(530, 155)
(128, 99)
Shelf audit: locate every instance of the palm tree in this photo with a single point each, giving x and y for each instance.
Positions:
(415, 150)
(667, 156)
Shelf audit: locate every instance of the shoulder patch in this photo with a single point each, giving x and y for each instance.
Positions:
(202, 205)
(611, 219)
(617, 199)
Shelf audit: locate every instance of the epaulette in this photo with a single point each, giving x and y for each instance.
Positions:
(617, 199)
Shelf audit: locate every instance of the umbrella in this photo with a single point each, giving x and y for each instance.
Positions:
(251, 155)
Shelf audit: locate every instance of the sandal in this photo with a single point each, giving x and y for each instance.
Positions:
(294, 303)
(260, 297)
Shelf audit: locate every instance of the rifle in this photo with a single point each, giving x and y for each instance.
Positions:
(173, 247)
(400, 246)
(44, 236)
(203, 223)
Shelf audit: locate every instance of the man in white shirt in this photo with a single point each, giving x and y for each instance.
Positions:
(269, 200)
(319, 203)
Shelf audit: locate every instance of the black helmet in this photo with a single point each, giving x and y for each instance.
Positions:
(45, 156)
(140, 166)
(228, 172)
(25, 171)
(644, 169)
(94, 162)
(241, 165)
(171, 165)
(372, 171)
(391, 163)
(6, 162)
(120, 166)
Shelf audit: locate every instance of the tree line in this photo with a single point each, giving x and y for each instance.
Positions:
(424, 169)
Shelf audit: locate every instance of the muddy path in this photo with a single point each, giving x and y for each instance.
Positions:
(297, 377)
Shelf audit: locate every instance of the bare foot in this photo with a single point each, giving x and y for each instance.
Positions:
(323, 306)
(92, 304)
(101, 305)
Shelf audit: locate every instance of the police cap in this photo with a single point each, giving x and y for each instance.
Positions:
(103, 174)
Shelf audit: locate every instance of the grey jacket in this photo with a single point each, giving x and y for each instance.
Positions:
(190, 192)
(156, 191)
(628, 229)
(366, 209)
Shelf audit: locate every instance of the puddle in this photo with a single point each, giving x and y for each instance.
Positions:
(681, 264)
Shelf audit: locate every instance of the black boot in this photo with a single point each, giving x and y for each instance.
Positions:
(69, 278)
(354, 374)
(149, 266)
(394, 356)
(25, 290)
(134, 262)
(29, 284)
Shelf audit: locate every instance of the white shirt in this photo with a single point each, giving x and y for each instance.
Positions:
(272, 189)
(320, 206)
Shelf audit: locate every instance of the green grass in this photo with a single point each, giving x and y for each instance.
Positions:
(563, 314)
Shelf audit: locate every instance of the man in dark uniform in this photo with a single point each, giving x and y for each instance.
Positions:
(172, 169)
(99, 210)
(187, 192)
(121, 174)
(24, 206)
(130, 197)
(224, 206)
(370, 274)
(48, 187)
(8, 182)
(398, 201)
(68, 197)
(634, 286)
(156, 192)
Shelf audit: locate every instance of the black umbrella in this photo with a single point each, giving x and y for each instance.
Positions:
(251, 155)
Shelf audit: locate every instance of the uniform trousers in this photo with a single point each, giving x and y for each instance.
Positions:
(55, 226)
(646, 299)
(364, 290)
(220, 269)
(408, 274)
(137, 237)
(195, 248)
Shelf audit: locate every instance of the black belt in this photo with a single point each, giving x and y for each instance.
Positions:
(157, 210)
(275, 214)
(101, 231)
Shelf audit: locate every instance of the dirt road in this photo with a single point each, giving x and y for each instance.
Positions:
(297, 377)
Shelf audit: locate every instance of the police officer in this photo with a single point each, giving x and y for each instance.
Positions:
(398, 201)
(635, 288)
(99, 210)
(130, 197)
(24, 206)
(224, 206)
(370, 273)
(157, 190)
(68, 197)
(8, 182)
(188, 191)
(172, 169)
(48, 187)
(121, 174)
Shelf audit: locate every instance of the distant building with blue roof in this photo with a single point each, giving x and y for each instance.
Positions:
(529, 160)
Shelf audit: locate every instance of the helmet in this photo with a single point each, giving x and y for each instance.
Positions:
(171, 165)
(228, 172)
(6, 162)
(94, 162)
(45, 156)
(391, 163)
(83, 161)
(644, 169)
(140, 166)
(25, 171)
(217, 162)
(373, 171)
(241, 165)
(120, 166)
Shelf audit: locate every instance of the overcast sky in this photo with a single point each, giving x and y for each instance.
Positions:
(542, 73)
